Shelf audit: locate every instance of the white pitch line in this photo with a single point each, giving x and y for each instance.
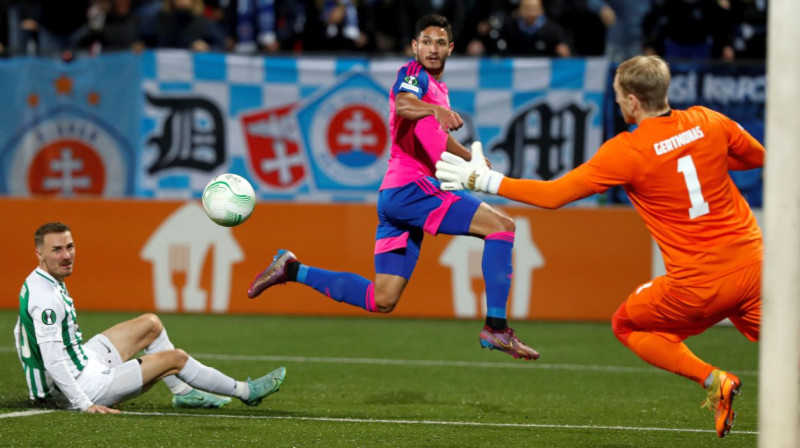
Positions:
(416, 362)
(26, 413)
(430, 422)
(440, 363)
(432, 363)
(390, 421)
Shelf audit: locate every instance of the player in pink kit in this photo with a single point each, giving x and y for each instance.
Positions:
(410, 203)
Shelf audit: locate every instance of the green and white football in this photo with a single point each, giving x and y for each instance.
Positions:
(229, 199)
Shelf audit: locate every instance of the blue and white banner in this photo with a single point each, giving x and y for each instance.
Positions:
(316, 129)
(163, 123)
(311, 129)
(69, 129)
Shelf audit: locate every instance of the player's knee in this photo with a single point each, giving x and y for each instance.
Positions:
(385, 303)
(499, 222)
(506, 224)
(387, 307)
(177, 358)
(621, 324)
(153, 323)
(153, 327)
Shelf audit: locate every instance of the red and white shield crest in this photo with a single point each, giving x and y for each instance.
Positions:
(273, 147)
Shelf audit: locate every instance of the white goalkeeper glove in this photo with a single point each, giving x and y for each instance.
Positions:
(458, 174)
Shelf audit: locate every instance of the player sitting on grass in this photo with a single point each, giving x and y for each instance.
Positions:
(90, 377)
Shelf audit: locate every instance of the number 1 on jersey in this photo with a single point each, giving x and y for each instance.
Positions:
(699, 205)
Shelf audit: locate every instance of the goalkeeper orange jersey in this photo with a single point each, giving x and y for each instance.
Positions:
(674, 169)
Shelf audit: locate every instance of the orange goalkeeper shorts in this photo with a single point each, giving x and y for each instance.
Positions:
(684, 310)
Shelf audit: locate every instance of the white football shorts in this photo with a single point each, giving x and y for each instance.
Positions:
(106, 379)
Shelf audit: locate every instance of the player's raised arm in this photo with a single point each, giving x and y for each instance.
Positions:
(546, 194)
(456, 173)
(412, 108)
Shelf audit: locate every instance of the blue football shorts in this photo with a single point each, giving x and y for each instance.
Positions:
(406, 213)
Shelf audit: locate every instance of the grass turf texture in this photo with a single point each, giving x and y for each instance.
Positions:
(377, 382)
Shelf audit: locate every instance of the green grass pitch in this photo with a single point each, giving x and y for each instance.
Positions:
(388, 382)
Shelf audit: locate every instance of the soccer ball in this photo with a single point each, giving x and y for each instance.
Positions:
(229, 199)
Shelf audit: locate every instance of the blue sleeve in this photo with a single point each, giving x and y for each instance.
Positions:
(245, 11)
(254, 18)
(416, 84)
(265, 11)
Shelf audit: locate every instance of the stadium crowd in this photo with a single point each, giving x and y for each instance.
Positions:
(709, 29)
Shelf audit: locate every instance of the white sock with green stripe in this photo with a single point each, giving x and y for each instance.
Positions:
(161, 343)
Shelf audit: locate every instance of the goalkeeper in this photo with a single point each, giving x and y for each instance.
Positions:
(674, 168)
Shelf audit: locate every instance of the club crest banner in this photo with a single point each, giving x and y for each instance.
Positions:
(70, 129)
(308, 129)
(316, 129)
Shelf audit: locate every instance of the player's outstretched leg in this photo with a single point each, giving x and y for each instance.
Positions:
(346, 287)
(199, 399)
(724, 387)
(506, 341)
(275, 274)
(264, 386)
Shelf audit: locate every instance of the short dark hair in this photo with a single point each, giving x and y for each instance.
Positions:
(433, 20)
(50, 227)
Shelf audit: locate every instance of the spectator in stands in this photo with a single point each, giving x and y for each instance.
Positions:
(750, 31)
(147, 9)
(223, 14)
(481, 31)
(4, 22)
(689, 29)
(584, 30)
(623, 22)
(333, 25)
(255, 26)
(13, 14)
(181, 24)
(530, 32)
(269, 25)
(378, 21)
(60, 25)
(115, 27)
(412, 10)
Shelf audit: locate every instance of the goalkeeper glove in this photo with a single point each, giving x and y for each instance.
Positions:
(458, 174)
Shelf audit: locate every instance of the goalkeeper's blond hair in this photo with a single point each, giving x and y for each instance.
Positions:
(647, 78)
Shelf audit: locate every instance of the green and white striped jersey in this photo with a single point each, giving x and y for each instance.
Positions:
(46, 314)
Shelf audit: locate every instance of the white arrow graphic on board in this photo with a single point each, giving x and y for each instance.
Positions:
(463, 256)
